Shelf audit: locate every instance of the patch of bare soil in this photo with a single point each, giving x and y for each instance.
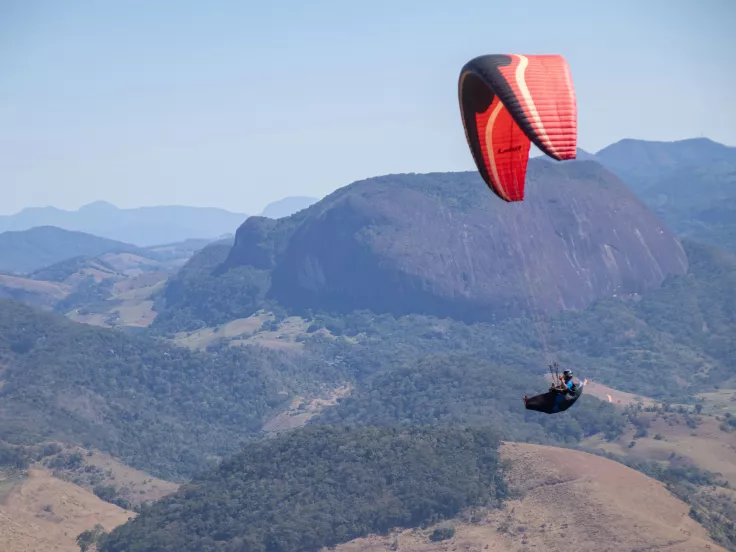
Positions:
(670, 439)
(130, 264)
(569, 500)
(145, 280)
(96, 468)
(44, 513)
(135, 485)
(201, 339)
(38, 293)
(285, 335)
(614, 396)
(53, 289)
(301, 411)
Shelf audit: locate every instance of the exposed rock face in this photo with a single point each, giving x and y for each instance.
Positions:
(442, 244)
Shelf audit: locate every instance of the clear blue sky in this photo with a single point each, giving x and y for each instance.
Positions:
(238, 103)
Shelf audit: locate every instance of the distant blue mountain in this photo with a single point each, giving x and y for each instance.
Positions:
(143, 226)
(287, 206)
(690, 184)
(29, 250)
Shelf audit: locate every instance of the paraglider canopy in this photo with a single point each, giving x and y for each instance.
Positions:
(509, 101)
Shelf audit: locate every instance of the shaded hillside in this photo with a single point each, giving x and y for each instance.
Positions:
(676, 340)
(672, 337)
(441, 244)
(689, 184)
(155, 406)
(197, 296)
(144, 226)
(677, 337)
(319, 487)
(42, 246)
(567, 500)
(111, 289)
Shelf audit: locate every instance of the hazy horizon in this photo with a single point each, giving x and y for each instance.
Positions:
(236, 107)
(102, 201)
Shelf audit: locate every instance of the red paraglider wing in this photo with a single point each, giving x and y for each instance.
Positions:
(505, 150)
(508, 101)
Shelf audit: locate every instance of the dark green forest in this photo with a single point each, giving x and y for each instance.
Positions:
(165, 409)
(650, 336)
(155, 406)
(647, 345)
(197, 297)
(321, 486)
(460, 389)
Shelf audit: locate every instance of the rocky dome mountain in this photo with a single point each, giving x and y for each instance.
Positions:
(442, 244)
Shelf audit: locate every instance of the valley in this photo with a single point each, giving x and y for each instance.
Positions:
(345, 356)
(604, 501)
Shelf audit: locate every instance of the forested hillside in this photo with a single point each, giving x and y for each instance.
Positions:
(166, 408)
(320, 487)
(674, 341)
(153, 405)
(664, 331)
(461, 389)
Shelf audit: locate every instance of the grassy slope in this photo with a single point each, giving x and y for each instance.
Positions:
(565, 500)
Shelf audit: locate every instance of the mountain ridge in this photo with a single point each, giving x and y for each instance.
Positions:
(141, 226)
(25, 251)
(690, 184)
(147, 226)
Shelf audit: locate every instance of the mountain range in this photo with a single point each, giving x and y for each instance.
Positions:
(439, 244)
(400, 319)
(669, 177)
(145, 226)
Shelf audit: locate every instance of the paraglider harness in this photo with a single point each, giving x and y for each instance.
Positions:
(559, 397)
